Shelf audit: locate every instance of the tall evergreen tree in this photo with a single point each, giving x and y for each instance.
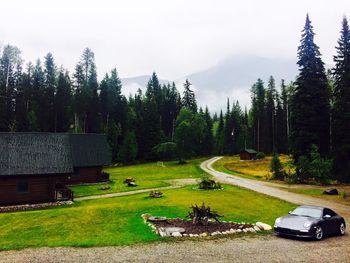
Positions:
(220, 134)
(63, 102)
(38, 105)
(208, 141)
(311, 109)
(21, 111)
(258, 115)
(48, 120)
(341, 111)
(9, 61)
(270, 111)
(189, 99)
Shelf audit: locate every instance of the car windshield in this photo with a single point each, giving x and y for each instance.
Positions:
(307, 211)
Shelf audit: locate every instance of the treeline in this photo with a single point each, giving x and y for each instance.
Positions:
(157, 124)
(309, 118)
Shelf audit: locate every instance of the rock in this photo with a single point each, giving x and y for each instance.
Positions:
(256, 228)
(333, 191)
(238, 230)
(157, 218)
(171, 230)
(263, 226)
(213, 234)
(245, 230)
(203, 235)
(185, 235)
(176, 234)
(162, 232)
(191, 235)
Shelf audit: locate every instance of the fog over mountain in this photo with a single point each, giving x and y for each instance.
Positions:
(231, 78)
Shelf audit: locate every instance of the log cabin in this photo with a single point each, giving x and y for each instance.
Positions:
(36, 167)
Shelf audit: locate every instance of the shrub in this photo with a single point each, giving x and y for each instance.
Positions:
(313, 168)
(276, 167)
(155, 194)
(260, 155)
(208, 184)
(201, 215)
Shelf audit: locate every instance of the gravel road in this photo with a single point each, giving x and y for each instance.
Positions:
(246, 249)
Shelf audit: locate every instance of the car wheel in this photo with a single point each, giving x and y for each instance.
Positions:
(342, 229)
(318, 233)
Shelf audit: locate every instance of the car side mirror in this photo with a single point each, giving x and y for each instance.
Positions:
(326, 216)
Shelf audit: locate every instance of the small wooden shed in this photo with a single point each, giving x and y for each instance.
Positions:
(248, 154)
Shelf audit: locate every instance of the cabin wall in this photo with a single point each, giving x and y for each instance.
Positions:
(247, 156)
(41, 188)
(84, 175)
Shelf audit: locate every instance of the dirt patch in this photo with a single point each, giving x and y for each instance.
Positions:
(199, 229)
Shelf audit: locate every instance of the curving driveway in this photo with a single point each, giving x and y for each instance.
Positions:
(270, 189)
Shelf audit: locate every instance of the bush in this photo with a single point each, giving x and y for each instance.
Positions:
(260, 155)
(276, 167)
(313, 168)
(208, 184)
(155, 194)
(201, 215)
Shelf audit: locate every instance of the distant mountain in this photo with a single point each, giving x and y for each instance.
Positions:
(231, 78)
(131, 85)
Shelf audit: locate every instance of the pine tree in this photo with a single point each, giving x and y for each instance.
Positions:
(21, 113)
(311, 109)
(9, 61)
(79, 98)
(48, 120)
(219, 138)
(258, 115)
(208, 142)
(63, 102)
(270, 109)
(228, 131)
(341, 111)
(189, 99)
(37, 116)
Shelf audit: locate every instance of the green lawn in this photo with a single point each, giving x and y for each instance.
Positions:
(117, 221)
(148, 175)
(343, 197)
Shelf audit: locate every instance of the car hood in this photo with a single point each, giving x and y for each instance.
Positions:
(295, 222)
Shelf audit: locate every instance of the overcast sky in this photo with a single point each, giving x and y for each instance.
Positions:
(173, 38)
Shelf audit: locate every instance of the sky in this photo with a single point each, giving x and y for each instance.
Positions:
(175, 38)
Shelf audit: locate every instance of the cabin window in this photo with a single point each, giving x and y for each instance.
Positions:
(22, 187)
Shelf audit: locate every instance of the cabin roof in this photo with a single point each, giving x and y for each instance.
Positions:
(50, 153)
(249, 151)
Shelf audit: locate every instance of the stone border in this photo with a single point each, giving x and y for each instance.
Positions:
(26, 207)
(258, 226)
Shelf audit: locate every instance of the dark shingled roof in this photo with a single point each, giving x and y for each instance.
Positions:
(249, 151)
(50, 153)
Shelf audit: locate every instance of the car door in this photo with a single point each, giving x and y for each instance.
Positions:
(330, 221)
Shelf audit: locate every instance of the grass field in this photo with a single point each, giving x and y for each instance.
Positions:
(258, 169)
(117, 221)
(148, 175)
(317, 191)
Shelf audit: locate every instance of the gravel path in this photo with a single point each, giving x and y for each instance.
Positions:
(245, 249)
(178, 183)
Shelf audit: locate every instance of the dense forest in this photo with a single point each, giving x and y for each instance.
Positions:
(307, 117)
